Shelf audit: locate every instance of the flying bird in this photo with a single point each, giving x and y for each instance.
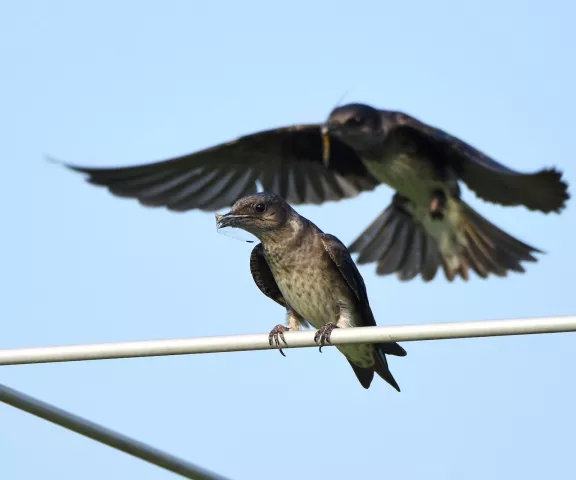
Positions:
(426, 227)
(311, 274)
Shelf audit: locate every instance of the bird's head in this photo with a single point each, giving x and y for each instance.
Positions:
(357, 125)
(258, 214)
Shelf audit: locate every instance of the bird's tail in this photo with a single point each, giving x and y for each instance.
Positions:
(381, 365)
(400, 244)
(486, 249)
(366, 375)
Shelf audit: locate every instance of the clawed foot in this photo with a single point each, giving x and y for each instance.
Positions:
(276, 335)
(438, 205)
(322, 336)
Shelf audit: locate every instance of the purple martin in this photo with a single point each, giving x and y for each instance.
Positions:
(311, 274)
(426, 227)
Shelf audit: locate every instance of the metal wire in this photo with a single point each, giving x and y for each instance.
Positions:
(405, 333)
(236, 343)
(104, 435)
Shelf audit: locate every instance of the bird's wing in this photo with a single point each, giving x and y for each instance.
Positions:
(286, 161)
(263, 277)
(346, 266)
(491, 181)
(349, 271)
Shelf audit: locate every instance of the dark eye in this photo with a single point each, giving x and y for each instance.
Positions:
(260, 207)
(355, 121)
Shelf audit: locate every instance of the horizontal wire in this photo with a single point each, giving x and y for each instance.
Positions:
(237, 343)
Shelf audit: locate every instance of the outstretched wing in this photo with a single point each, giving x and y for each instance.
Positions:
(491, 181)
(349, 271)
(286, 161)
(263, 277)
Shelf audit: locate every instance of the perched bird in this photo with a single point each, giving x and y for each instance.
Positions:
(311, 274)
(427, 226)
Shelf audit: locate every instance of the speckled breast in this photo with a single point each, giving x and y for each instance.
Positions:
(304, 286)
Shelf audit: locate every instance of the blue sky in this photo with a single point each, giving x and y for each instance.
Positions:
(119, 83)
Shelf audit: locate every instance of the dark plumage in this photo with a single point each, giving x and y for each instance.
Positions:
(426, 227)
(286, 161)
(311, 275)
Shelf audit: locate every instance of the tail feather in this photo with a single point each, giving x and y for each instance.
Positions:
(493, 236)
(412, 260)
(378, 237)
(366, 375)
(391, 260)
(381, 368)
(488, 249)
(391, 349)
(479, 257)
(431, 258)
(400, 244)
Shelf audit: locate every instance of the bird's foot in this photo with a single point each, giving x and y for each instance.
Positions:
(276, 335)
(437, 205)
(322, 336)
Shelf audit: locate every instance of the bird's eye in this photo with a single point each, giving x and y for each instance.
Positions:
(260, 207)
(355, 121)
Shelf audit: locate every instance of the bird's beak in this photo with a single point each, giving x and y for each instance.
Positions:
(223, 220)
(229, 220)
(325, 145)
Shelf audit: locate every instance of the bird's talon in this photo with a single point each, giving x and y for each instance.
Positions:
(437, 205)
(276, 335)
(322, 337)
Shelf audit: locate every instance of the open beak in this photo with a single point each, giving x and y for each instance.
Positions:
(325, 146)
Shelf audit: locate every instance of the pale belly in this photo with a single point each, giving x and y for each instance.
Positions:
(307, 292)
(417, 180)
(414, 182)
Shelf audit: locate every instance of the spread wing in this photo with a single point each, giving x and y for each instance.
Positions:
(491, 181)
(286, 161)
(349, 271)
(263, 277)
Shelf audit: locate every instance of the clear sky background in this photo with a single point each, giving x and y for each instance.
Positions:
(120, 83)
